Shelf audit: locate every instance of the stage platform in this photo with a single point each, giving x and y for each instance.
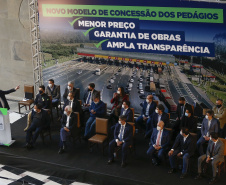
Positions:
(80, 165)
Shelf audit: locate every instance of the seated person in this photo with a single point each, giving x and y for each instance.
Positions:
(160, 140)
(54, 91)
(148, 109)
(209, 124)
(42, 98)
(123, 136)
(68, 121)
(70, 88)
(220, 112)
(214, 155)
(39, 120)
(73, 103)
(189, 121)
(184, 146)
(88, 95)
(158, 115)
(97, 109)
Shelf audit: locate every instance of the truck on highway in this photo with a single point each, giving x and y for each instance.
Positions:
(152, 86)
(100, 69)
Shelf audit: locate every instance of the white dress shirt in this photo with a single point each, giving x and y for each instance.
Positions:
(124, 111)
(67, 123)
(122, 129)
(159, 139)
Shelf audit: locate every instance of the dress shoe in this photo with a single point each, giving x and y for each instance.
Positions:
(172, 170)
(61, 151)
(213, 180)
(110, 161)
(29, 146)
(123, 164)
(183, 175)
(199, 176)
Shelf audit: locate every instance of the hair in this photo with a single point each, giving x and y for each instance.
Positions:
(161, 107)
(181, 99)
(185, 130)
(96, 95)
(210, 112)
(92, 85)
(68, 107)
(42, 87)
(219, 100)
(70, 82)
(51, 80)
(189, 110)
(122, 91)
(123, 117)
(39, 106)
(214, 135)
(127, 103)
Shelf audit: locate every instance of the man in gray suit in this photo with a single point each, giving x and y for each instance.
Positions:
(54, 91)
(209, 124)
(214, 154)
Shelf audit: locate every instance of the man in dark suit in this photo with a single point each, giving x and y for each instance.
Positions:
(54, 91)
(73, 103)
(88, 95)
(214, 155)
(70, 88)
(149, 107)
(184, 146)
(39, 120)
(158, 115)
(123, 136)
(209, 124)
(159, 142)
(3, 101)
(68, 121)
(42, 98)
(126, 111)
(189, 121)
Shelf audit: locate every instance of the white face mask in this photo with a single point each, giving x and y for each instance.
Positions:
(123, 106)
(35, 110)
(181, 133)
(69, 87)
(50, 85)
(210, 138)
(68, 98)
(120, 122)
(147, 100)
(65, 112)
(96, 102)
(157, 111)
(207, 117)
(158, 128)
(118, 92)
(186, 114)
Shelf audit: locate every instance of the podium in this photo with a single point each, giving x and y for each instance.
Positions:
(5, 128)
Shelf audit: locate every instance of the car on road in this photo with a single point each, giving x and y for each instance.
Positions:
(119, 70)
(111, 81)
(131, 80)
(113, 78)
(129, 88)
(141, 91)
(142, 96)
(116, 74)
(141, 79)
(79, 72)
(109, 86)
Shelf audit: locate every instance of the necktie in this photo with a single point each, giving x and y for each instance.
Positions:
(182, 111)
(121, 133)
(158, 139)
(87, 102)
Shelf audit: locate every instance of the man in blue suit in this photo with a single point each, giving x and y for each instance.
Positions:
(158, 115)
(96, 109)
(160, 139)
(126, 111)
(123, 136)
(209, 124)
(148, 108)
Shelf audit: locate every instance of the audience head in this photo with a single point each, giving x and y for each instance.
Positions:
(91, 86)
(159, 109)
(70, 85)
(67, 110)
(70, 96)
(219, 103)
(214, 136)
(96, 98)
(51, 83)
(38, 108)
(209, 114)
(181, 101)
(122, 119)
(160, 125)
(188, 112)
(149, 98)
(125, 104)
(184, 131)
(41, 89)
(121, 91)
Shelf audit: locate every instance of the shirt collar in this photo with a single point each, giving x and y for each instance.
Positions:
(216, 142)
(186, 136)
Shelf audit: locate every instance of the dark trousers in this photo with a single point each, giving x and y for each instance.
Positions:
(186, 158)
(113, 144)
(200, 143)
(33, 128)
(147, 126)
(63, 136)
(160, 156)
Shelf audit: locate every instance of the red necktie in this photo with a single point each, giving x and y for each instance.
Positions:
(157, 142)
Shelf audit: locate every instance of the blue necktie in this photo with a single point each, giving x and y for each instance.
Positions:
(122, 129)
(87, 102)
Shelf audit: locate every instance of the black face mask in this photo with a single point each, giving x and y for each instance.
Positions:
(40, 92)
(218, 106)
(181, 104)
(89, 89)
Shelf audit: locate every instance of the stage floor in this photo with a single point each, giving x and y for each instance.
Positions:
(81, 165)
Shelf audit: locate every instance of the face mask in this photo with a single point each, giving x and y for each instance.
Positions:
(186, 114)
(210, 138)
(96, 102)
(157, 111)
(65, 112)
(50, 85)
(123, 106)
(181, 104)
(69, 87)
(181, 133)
(35, 110)
(147, 100)
(118, 92)
(120, 122)
(68, 98)
(89, 89)
(207, 117)
(218, 106)
(40, 92)
(158, 128)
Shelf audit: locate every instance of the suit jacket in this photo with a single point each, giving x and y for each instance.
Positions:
(218, 152)
(116, 100)
(99, 108)
(128, 114)
(128, 132)
(186, 106)
(214, 126)
(43, 100)
(76, 107)
(55, 93)
(3, 101)
(152, 108)
(86, 93)
(190, 123)
(220, 114)
(72, 121)
(164, 118)
(188, 146)
(165, 139)
(75, 93)
(45, 118)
